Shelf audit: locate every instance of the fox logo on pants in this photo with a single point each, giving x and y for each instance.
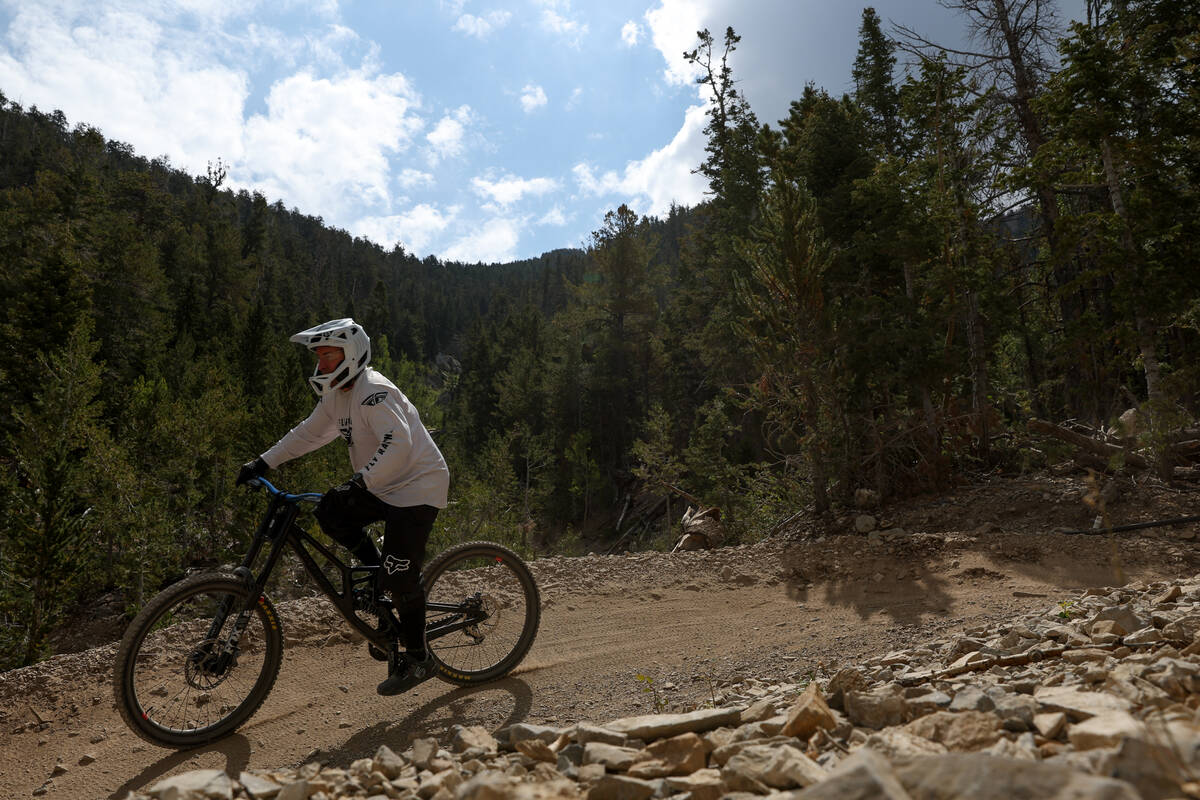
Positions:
(394, 565)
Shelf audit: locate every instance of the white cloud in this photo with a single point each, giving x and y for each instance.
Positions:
(509, 189)
(494, 242)
(783, 46)
(161, 77)
(410, 178)
(127, 75)
(325, 143)
(554, 22)
(664, 177)
(554, 216)
(573, 101)
(673, 27)
(631, 33)
(416, 228)
(446, 140)
(532, 97)
(482, 27)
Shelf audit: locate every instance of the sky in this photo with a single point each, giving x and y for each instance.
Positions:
(473, 130)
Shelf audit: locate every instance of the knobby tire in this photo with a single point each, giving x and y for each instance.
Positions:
(497, 580)
(161, 682)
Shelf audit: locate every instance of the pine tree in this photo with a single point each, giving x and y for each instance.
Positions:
(874, 88)
(47, 519)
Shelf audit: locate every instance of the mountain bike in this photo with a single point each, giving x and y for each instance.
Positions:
(202, 656)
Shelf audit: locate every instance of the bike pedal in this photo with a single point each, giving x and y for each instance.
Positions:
(376, 653)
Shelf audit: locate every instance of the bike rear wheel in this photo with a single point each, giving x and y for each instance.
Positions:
(488, 592)
(176, 682)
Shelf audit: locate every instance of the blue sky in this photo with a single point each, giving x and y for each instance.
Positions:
(475, 130)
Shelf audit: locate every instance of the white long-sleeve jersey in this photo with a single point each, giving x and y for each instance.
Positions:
(389, 446)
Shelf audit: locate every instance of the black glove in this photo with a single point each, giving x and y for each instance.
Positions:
(251, 470)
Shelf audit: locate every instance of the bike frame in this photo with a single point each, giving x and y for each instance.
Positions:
(280, 528)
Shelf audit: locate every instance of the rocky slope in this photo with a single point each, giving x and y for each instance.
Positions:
(953, 649)
(1096, 700)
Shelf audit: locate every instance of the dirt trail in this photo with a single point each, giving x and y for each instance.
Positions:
(791, 606)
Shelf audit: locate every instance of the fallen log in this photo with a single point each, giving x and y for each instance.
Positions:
(1102, 449)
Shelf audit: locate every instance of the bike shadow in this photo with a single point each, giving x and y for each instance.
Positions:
(426, 722)
(235, 748)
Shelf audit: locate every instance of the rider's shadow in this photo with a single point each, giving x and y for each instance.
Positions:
(235, 748)
(421, 723)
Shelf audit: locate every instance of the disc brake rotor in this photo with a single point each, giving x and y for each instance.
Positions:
(487, 609)
(205, 668)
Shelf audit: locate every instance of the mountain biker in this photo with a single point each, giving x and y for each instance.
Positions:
(400, 477)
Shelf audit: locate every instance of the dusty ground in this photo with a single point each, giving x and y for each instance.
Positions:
(812, 597)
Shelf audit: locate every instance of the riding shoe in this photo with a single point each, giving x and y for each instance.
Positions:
(405, 672)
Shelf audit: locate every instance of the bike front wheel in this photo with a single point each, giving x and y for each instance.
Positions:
(183, 675)
(482, 612)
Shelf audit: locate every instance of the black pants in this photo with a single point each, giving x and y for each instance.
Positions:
(406, 531)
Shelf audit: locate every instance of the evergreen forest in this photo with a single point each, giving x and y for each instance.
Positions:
(880, 291)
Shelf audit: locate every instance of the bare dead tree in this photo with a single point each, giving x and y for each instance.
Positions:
(1012, 52)
(1015, 46)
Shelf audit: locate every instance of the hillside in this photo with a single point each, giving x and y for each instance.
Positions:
(703, 627)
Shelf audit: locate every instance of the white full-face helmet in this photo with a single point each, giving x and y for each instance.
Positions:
(346, 334)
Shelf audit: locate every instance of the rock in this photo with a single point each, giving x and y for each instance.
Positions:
(199, 784)
(258, 786)
(489, 786)
(722, 754)
(758, 711)
(898, 743)
(864, 523)
(865, 498)
(1077, 704)
(1123, 615)
(780, 767)
(1153, 769)
(423, 751)
(1050, 724)
(475, 736)
(584, 733)
(294, 790)
(702, 529)
(845, 678)
(877, 708)
(537, 749)
(1022, 749)
(387, 762)
(1170, 595)
(964, 645)
(681, 754)
(809, 714)
(1015, 711)
(660, 726)
(985, 777)
(865, 775)
(447, 780)
(703, 784)
(971, 698)
(928, 702)
(622, 787)
(1183, 630)
(1107, 627)
(522, 730)
(614, 758)
(965, 730)
(1105, 730)
(1148, 635)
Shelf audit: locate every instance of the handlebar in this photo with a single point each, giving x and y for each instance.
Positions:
(307, 497)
